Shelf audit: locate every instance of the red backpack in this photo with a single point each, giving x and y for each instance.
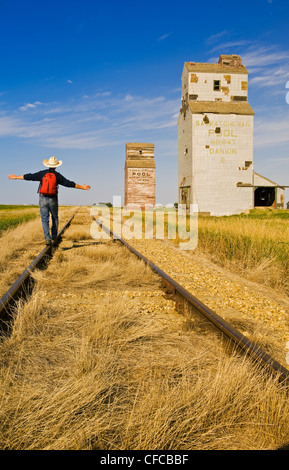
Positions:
(49, 184)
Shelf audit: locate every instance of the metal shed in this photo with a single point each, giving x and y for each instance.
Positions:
(267, 193)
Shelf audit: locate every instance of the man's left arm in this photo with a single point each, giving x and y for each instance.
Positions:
(83, 186)
(15, 177)
(70, 184)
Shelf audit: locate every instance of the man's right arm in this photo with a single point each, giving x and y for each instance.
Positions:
(29, 176)
(34, 176)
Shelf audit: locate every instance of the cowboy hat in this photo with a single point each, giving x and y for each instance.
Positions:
(52, 162)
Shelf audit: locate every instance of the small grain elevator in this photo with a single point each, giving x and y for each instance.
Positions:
(139, 175)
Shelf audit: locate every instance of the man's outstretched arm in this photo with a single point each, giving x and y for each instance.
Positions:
(15, 177)
(83, 186)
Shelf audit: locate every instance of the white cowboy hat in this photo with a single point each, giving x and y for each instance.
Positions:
(52, 162)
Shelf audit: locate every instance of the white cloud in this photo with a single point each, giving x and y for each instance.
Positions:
(10, 126)
(229, 45)
(265, 56)
(128, 98)
(268, 65)
(164, 36)
(267, 68)
(101, 94)
(216, 37)
(92, 121)
(30, 106)
(271, 132)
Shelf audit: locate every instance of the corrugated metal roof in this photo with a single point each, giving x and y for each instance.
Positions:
(139, 145)
(221, 107)
(214, 68)
(271, 183)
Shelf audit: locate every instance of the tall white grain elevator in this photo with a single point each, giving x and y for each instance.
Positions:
(215, 137)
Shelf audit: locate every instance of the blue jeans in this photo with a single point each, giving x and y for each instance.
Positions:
(49, 205)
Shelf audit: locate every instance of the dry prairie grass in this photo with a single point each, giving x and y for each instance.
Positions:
(93, 373)
(16, 240)
(254, 245)
(95, 266)
(20, 245)
(111, 379)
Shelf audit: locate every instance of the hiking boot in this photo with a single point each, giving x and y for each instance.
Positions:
(48, 242)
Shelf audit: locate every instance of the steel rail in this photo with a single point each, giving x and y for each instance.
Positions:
(24, 284)
(232, 333)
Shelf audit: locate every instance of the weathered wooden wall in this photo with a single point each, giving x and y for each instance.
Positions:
(139, 171)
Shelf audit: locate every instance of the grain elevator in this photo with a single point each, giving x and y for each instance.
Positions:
(215, 137)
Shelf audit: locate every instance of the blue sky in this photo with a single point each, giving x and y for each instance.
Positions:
(79, 79)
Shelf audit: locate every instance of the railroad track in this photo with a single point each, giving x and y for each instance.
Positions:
(24, 284)
(81, 317)
(185, 298)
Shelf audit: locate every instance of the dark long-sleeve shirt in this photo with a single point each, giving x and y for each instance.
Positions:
(39, 175)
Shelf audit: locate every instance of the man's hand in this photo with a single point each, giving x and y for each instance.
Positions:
(15, 177)
(84, 186)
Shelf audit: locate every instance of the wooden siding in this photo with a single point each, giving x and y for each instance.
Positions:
(139, 173)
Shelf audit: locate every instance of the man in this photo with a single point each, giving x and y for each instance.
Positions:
(48, 194)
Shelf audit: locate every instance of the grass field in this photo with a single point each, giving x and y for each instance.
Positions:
(88, 367)
(13, 215)
(5, 207)
(255, 245)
